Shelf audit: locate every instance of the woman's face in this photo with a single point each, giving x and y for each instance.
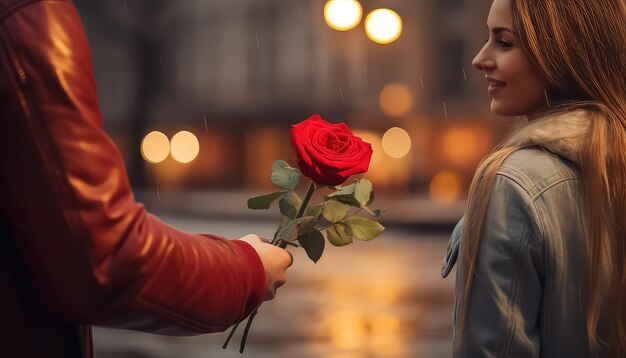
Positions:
(515, 86)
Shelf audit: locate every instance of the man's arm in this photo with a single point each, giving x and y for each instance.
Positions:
(94, 254)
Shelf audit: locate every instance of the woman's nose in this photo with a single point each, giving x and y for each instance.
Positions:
(483, 62)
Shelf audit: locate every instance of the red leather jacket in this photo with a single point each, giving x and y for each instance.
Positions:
(75, 247)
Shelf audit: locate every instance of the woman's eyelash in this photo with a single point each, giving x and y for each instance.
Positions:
(504, 43)
(500, 42)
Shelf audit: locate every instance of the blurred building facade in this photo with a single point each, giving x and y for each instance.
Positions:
(237, 73)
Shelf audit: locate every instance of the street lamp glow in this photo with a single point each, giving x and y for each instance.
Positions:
(396, 142)
(343, 15)
(155, 147)
(383, 26)
(185, 147)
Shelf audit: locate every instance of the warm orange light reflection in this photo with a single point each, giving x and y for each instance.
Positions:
(396, 142)
(395, 99)
(345, 355)
(364, 330)
(261, 147)
(383, 26)
(463, 146)
(385, 331)
(361, 311)
(445, 187)
(348, 328)
(343, 15)
(155, 147)
(185, 147)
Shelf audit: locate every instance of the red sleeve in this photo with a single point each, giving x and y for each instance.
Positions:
(94, 255)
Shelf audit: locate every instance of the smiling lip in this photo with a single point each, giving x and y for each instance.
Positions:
(494, 84)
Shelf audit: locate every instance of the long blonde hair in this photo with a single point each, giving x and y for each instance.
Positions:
(580, 47)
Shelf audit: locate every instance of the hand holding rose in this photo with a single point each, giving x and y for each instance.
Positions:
(275, 262)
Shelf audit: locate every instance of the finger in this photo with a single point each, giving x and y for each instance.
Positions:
(264, 240)
(279, 283)
(250, 237)
(270, 294)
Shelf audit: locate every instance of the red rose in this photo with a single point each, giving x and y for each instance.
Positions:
(329, 153)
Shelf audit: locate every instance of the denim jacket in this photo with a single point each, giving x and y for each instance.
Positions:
(527, 299)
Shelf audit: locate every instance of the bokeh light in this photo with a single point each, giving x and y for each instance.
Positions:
(185, 147)
(396, 142)
(395, 99)
(155, 147)
(343, 15)
(387, 174)
(383, 26)
(463, 146)
(445, 187)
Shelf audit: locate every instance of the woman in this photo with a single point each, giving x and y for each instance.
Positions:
(541, 259)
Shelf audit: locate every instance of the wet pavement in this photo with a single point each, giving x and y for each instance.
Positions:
(383, 298)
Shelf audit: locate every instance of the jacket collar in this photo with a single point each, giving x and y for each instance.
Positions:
(564, 133)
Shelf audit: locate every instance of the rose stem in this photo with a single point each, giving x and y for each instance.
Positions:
(232, 331)
(282, 244)
(305, 202)
(245, 331)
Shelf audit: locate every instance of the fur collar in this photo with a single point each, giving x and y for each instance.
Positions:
(564, 133)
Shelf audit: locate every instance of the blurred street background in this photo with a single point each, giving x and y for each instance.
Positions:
(199, 96)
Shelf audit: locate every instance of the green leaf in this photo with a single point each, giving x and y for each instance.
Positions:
(338, 236)
(363, 191)
(362, 228)
(345, 190)
(313, 244)
(371, 201)
(375, 213)
(289, 204)
(297, 227)
(285, 176)
(347, 199)
(280, 227)
(345, 194)
(314, 210)
(335, 211)
(264, 201)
